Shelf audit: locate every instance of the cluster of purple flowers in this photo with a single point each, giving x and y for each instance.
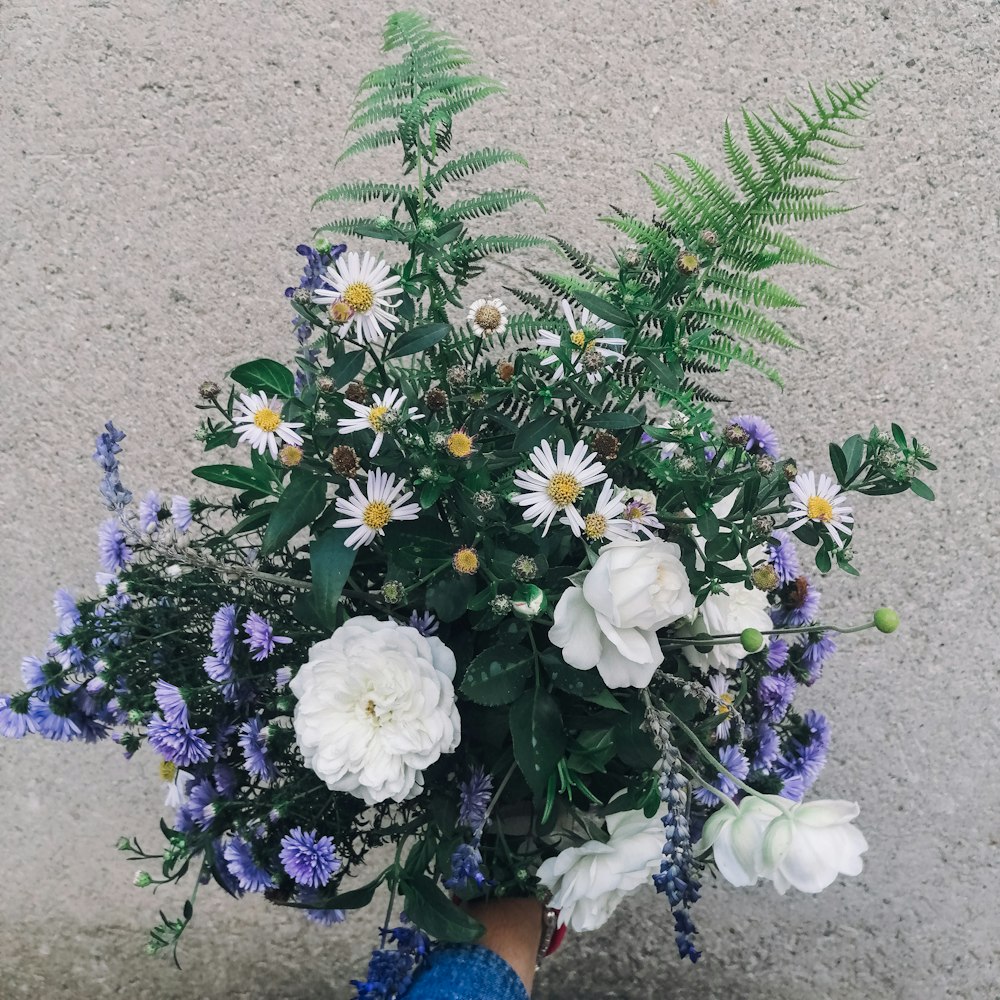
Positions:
(317, 260)
(474, 794)
(390, 970)
(116, 497)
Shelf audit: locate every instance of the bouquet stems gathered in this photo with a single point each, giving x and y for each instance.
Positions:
(491, 580)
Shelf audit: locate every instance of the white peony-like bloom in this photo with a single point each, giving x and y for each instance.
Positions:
(588, 882)
(376, 707)
(804, 846)
(634, 589)
(728, 613)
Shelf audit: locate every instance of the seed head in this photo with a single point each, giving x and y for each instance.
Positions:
(525, 568)
(765, 577)
(209, 390)
(605, 445)
(791, 470)
(436, 399)
(505, 371)
(764, 525)
(458, 375)
(325, 384)
(484, 500)
(501, 605)
(344, 459)
(290, 455)
(393, 592)
(631, 258)
(356, 393)
(685, 464)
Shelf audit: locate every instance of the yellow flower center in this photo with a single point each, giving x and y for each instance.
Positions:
(340, 311)
(579, 339)
(726, 702)
(375, 415)
(563, 489)
(466, 561)
(266, 419)
(488, 318)
(168, 770)
(819, 509)
(377, 515)
(290, 456)
(459, 444)
(595, 526)
(359, 296)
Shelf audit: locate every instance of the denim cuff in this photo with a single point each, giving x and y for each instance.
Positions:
(466, 972)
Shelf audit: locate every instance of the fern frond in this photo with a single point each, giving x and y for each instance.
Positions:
(561, 285)
(480, 247)
(583, 263)
(724, 352)
(373, 140)
(546, 307)
(489, 203)
(471, 163)
(700, 394)
(731, 317)
(761, 292)
(365, 191)
(395, 232)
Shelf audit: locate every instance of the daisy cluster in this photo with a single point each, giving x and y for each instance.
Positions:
(480, 576)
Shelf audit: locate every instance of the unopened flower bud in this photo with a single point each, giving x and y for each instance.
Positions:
(764, 524)
(356, 393)
(687, 262)
(325, 384)
(709, 237)
(529, 601)
(124, 844)
(501, 605)
(886, 620)
(631, 258)
(477, 398)
(765, 465)
(209, 390)
(436, 398)
(135, 717)
(505, 371)
(484, 500)
(427, 225)
(382, 222)
(685, 464)
(390, 420)
(458, 375)
(765, 577)
(735, 436)
(791, 470)
(525, 568)
(393, 592)
(751, 640)
(303, 296)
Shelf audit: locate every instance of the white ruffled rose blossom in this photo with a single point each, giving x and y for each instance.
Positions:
(801, 845)
(728, 613)
(588, 882)
(376, 707)
(610, 622)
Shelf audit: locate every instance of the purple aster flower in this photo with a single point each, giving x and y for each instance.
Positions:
(466, 864)
(171, 702)
(40, 676)
(766, 753)
(253, 743)
(180, 512)
(224, 632)
(474, 799)
(777, 654)
(218, 668)
(227, 781)
(799, 604)
(149, 513)
(248, 874)
(735, 761)
(66, 609)
(799, 767)
(763, 440)
(179, 744)
(282, 677)
(426, 624)
(310, 860)
(200, 805)
(112, 551)
(51, 721)
(260, 636)
(774, 694)
(14, 725)
(815, 649)
(782, 555)
(325, 917)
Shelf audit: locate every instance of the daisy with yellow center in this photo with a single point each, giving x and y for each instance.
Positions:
(459, 444)
(723, 699)
(556, 483)
(375, 416)
(607, 522)
(585, 338)
(177, 782)
(488, 317)
(258, 421)
(360, 295)
(369, 513)
(465, 561)
(820, 502)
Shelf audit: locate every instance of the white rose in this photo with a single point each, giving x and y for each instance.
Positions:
(588, 882)
(376, 707)
(634, 588)
(795, 845)
(728, 613)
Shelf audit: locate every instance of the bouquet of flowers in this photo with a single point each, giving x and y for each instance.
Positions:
(489, 580)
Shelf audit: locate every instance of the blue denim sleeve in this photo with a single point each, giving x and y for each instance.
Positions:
(466, 972)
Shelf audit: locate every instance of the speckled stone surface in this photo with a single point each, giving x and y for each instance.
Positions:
(158, 164)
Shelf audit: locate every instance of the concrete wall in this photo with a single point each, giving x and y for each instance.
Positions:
(158, 163)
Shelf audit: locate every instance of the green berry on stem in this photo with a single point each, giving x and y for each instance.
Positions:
(752, 640)
(886, 620)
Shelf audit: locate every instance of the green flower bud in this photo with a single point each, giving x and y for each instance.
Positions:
(525, 568)
(529, 601)
(886, 620)
(752, 640)
(124, 844)
(142, 879)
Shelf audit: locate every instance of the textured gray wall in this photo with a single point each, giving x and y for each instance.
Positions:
(158, 163)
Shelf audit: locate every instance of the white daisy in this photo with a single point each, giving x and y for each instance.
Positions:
(558, 483)
(177, 782)
(258, 421)
(488, 317)
(373, 418)
(723, 700)
(820, 502)
(366, 285)
(590, 346)
(606, 522)
(640, 512)
(370, 514)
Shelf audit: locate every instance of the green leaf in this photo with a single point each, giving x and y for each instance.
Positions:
(267, 375)
(254, 519)
(921, 489)
(345, 368)
(533, 433)
(582, 683)
(823, 561)
(354, 899)
(497, 675)
(449, 598)
(708, 524)
(839, 462)
(330, 561)
(236, 477)
(301, 503)
(614, 421)
(419, 339)
(539, 738)
(602, 309)
(899, 436)
(854, 453)
(433, 912)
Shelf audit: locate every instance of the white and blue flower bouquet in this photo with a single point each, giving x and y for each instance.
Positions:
(487, 579)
